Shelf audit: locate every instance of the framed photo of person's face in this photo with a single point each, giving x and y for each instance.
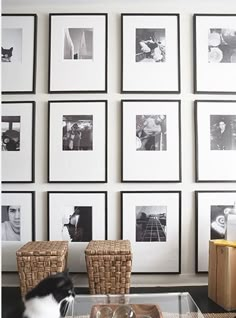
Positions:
(17, 224)
(78, 53)
(150, 53)
(215, 131)
(215, 53)
(77, 217)
(18, 141)
(151, 220)
(77, 141)
(211, 209)
(151, 141)
(19, 32)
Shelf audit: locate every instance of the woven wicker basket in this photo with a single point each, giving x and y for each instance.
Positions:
(109, 265)
(37, 260)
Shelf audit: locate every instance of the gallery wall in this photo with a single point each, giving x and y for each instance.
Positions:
(188, 186)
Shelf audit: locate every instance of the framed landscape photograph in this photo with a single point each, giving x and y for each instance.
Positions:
(18, 142)
(215, 53)
(77, 217)
(211, 209)
(215, 132)
(77, 146)
(77, 53)
(151, 220)
(18, 225)
(150, 53)
(19, 38)
(151, 141)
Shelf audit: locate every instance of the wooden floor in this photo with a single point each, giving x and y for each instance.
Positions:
(11, 295)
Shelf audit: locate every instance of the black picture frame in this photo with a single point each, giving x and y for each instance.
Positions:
(90, 73)
(215, 152)
(129, 74)
(62, 205)
(26, 200)
(156, 247)
(209, 222)
(165, 145)
(21, 79)
(93, 161)
(205, 74)
(25, 154)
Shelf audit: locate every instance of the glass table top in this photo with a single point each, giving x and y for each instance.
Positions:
(172, 305)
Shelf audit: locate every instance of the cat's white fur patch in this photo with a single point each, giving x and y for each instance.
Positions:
(42, 307)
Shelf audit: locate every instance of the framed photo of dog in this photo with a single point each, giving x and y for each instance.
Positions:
(77, 217)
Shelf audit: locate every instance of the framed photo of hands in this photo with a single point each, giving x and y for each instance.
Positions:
(215, 53)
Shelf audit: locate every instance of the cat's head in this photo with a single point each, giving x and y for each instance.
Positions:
(60, 286)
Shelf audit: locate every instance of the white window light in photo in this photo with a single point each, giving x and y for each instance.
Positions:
(215, 125)
(150, 53)
(215, 53)
(151, 220)
(77, 217)
(151, 141)
(17, 218)
(19, 32)
(78, 53)
(211, 210)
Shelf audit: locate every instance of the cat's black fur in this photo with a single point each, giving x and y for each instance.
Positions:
(49, 299)
(6, 54)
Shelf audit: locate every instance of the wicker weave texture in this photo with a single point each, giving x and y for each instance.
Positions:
(37, 260)
(109, 265)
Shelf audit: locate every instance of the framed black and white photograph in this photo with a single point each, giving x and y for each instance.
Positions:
(17, 228)
(215, 53)
(211, 209)
(77, 145)
(77, 53)
(77, 217)
(18, 142)
(151, 220)
(151, 141)
(215, 131)
(19, 37)
(150, 53)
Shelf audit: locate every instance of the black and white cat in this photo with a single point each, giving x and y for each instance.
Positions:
(6, 54)
(49, 299)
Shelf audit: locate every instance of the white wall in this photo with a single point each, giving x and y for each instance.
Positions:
(186, 8)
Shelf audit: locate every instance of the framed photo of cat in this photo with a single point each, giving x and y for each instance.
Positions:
(77, 53)
(211, 208)
(18, 142)
(19, 38)
(18, 224)
(77, 217)
(151, 220)
(151, 141)
(77, 145)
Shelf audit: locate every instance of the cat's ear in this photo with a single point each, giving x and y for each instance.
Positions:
(11, 49)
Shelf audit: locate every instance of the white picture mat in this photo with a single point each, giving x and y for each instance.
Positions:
(138, 165)
(77, 165)
(19, 76)
(213, 164)
(153, 256)
(17, 165)
(213, 76)
(205, 201)
(138, 76)
(58, 202)
(73, 75)
(24, 200)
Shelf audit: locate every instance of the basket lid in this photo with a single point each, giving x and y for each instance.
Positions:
(43, 248)
(103, 247)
